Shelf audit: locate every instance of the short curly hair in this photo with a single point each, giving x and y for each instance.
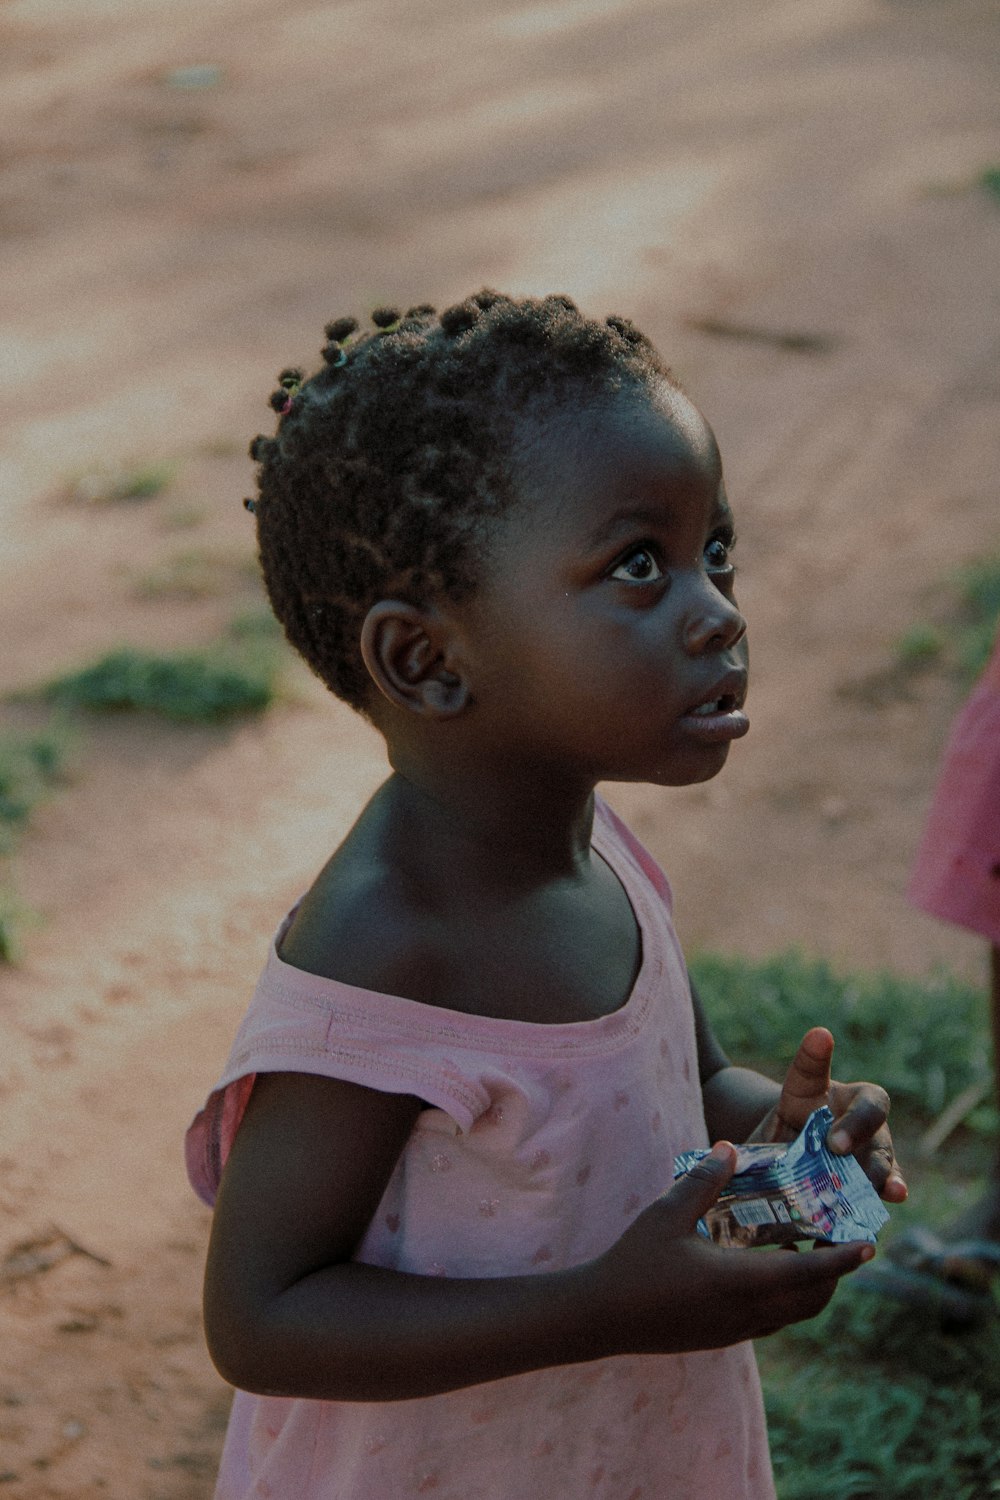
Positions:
(389, 460)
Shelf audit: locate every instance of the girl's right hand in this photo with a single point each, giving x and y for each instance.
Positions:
(666, 1289)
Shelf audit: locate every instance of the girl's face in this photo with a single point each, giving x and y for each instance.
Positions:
(604, 639)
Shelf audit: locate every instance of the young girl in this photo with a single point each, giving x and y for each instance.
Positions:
(447, 1258)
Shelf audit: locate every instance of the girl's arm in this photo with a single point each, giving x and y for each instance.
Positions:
(735, 1099)
(288, 1313)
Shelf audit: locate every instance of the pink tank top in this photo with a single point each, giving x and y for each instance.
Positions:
(541, 1144)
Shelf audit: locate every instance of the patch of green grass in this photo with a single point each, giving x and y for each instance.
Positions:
(920, 646)
(12, 919)
(872, 1400)
(876, 1437)
(187, 685)
(979, 591)
(963, 642)
(29, 764)
(104, 487)
(925, 1040)
(145, 482)
(237, 674)
(989, 179)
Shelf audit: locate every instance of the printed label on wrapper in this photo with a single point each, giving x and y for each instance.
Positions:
(783, 1193)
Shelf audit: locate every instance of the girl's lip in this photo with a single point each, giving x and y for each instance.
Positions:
(731, 690)
(730, 724)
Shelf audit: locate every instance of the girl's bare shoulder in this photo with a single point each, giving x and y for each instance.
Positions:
(359, 925)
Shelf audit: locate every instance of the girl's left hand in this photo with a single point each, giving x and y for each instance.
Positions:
(860, 1110)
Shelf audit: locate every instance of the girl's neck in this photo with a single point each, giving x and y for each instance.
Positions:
(516, 831)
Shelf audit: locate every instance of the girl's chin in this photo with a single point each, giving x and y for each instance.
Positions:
(682, 771)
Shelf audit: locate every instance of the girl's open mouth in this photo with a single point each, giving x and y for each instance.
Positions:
(717, 719)
(724, 705)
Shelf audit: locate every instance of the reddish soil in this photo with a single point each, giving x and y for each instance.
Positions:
(782, 193)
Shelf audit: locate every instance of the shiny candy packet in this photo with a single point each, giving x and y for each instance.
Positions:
(783, 1193)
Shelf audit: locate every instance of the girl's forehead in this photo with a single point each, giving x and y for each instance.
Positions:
(590, 453)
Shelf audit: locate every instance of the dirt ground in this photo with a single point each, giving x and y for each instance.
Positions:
(782, 193)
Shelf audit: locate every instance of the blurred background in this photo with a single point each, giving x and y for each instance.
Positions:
(799, 201)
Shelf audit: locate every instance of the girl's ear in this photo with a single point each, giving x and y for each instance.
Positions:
(407, 652)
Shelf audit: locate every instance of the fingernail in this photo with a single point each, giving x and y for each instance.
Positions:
(868, 1253)
(722, 1150)
(840, 1142)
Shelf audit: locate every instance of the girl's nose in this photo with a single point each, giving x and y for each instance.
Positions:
(713, 622)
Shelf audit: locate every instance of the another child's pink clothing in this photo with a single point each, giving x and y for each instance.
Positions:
(957, 871)
(540, 1146)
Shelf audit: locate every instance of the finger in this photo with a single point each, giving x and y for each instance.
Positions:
(895, 1189)
(861, 1122)
(785, 1289)
(807, 1081)
(838, 1260)
(879, 1162)
(773, 1290)
(834, 1262)
(693, 1194)
(808, 1296)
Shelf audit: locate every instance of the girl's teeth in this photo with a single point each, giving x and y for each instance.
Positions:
(708, 708)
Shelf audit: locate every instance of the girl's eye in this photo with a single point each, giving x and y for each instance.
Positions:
(717, 553)
(640, 566)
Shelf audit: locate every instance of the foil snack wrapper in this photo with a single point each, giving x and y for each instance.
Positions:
(783, 1193)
